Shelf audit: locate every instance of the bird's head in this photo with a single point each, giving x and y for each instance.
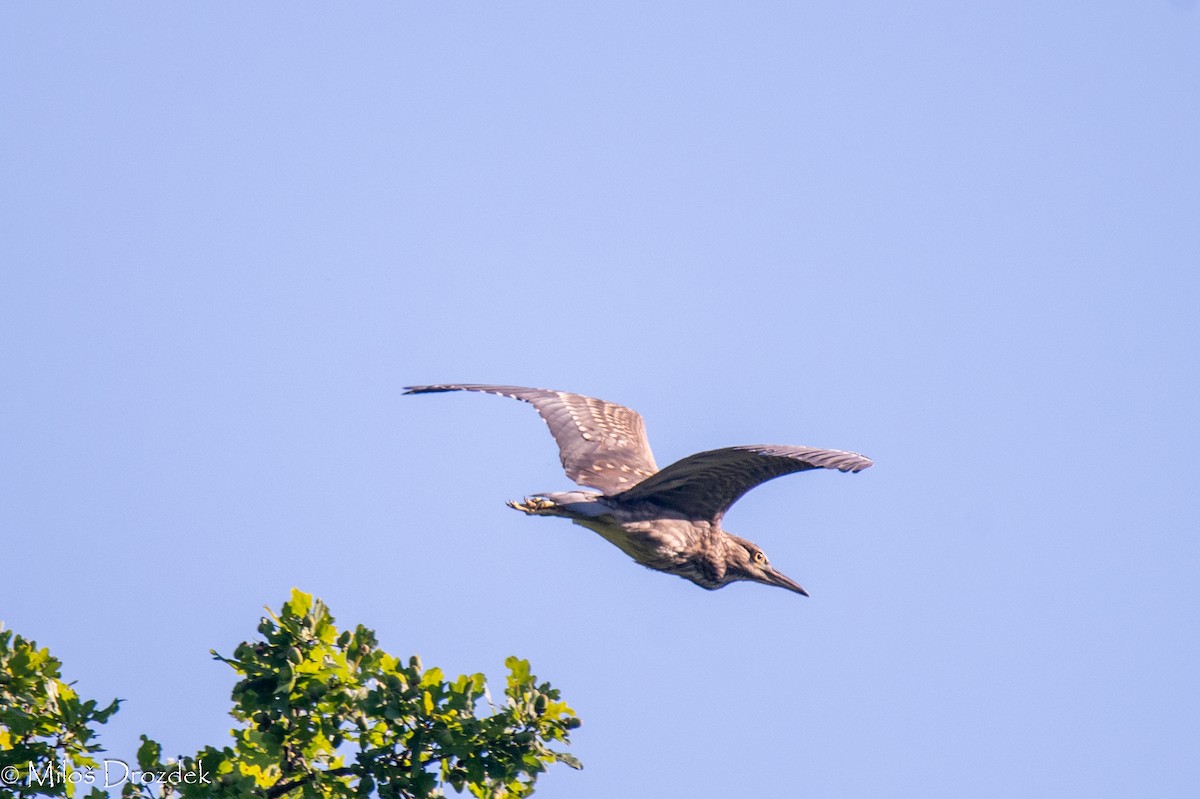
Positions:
(745, 561)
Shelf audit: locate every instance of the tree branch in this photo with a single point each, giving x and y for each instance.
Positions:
(281, 788)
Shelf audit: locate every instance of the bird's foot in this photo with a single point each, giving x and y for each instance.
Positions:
(533, 505)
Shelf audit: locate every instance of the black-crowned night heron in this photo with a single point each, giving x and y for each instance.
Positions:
(670, 519)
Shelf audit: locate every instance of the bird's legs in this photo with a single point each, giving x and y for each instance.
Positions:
(533, 505)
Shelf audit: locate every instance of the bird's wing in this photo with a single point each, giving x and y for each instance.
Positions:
(704, 485)
(601, 444)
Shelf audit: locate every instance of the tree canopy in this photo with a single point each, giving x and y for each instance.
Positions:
(321, 713)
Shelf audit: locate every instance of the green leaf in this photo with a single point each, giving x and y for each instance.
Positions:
(148, 754)
(569, 760)
(300, 603)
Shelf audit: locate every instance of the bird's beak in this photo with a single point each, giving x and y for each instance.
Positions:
(774, 577)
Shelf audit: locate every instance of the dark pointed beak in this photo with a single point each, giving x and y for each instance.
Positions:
(774, 577)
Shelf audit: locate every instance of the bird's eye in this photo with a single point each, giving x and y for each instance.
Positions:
(759, 557)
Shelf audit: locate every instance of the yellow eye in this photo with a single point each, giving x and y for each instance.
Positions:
(759, 557)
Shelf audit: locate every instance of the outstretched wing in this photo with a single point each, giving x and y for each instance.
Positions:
(601, 444)
(704, 485)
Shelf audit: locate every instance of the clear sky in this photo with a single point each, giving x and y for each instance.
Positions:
(962, 239)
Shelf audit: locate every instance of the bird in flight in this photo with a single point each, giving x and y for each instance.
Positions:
(668, 520)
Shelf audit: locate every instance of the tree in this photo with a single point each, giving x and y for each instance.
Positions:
(320, 713)
(46, 730)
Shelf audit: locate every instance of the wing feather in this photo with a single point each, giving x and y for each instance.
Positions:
(703, 486)
(601, 444)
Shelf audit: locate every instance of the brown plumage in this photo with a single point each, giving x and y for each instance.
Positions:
(668, 520)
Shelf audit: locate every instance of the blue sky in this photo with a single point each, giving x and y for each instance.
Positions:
(960, 239)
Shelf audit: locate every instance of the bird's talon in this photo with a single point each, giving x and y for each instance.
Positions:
(532, 505)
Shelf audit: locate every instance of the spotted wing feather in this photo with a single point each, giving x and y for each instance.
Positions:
(704, 485)
(601, 444)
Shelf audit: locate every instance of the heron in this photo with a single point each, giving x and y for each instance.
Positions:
(669, 519)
